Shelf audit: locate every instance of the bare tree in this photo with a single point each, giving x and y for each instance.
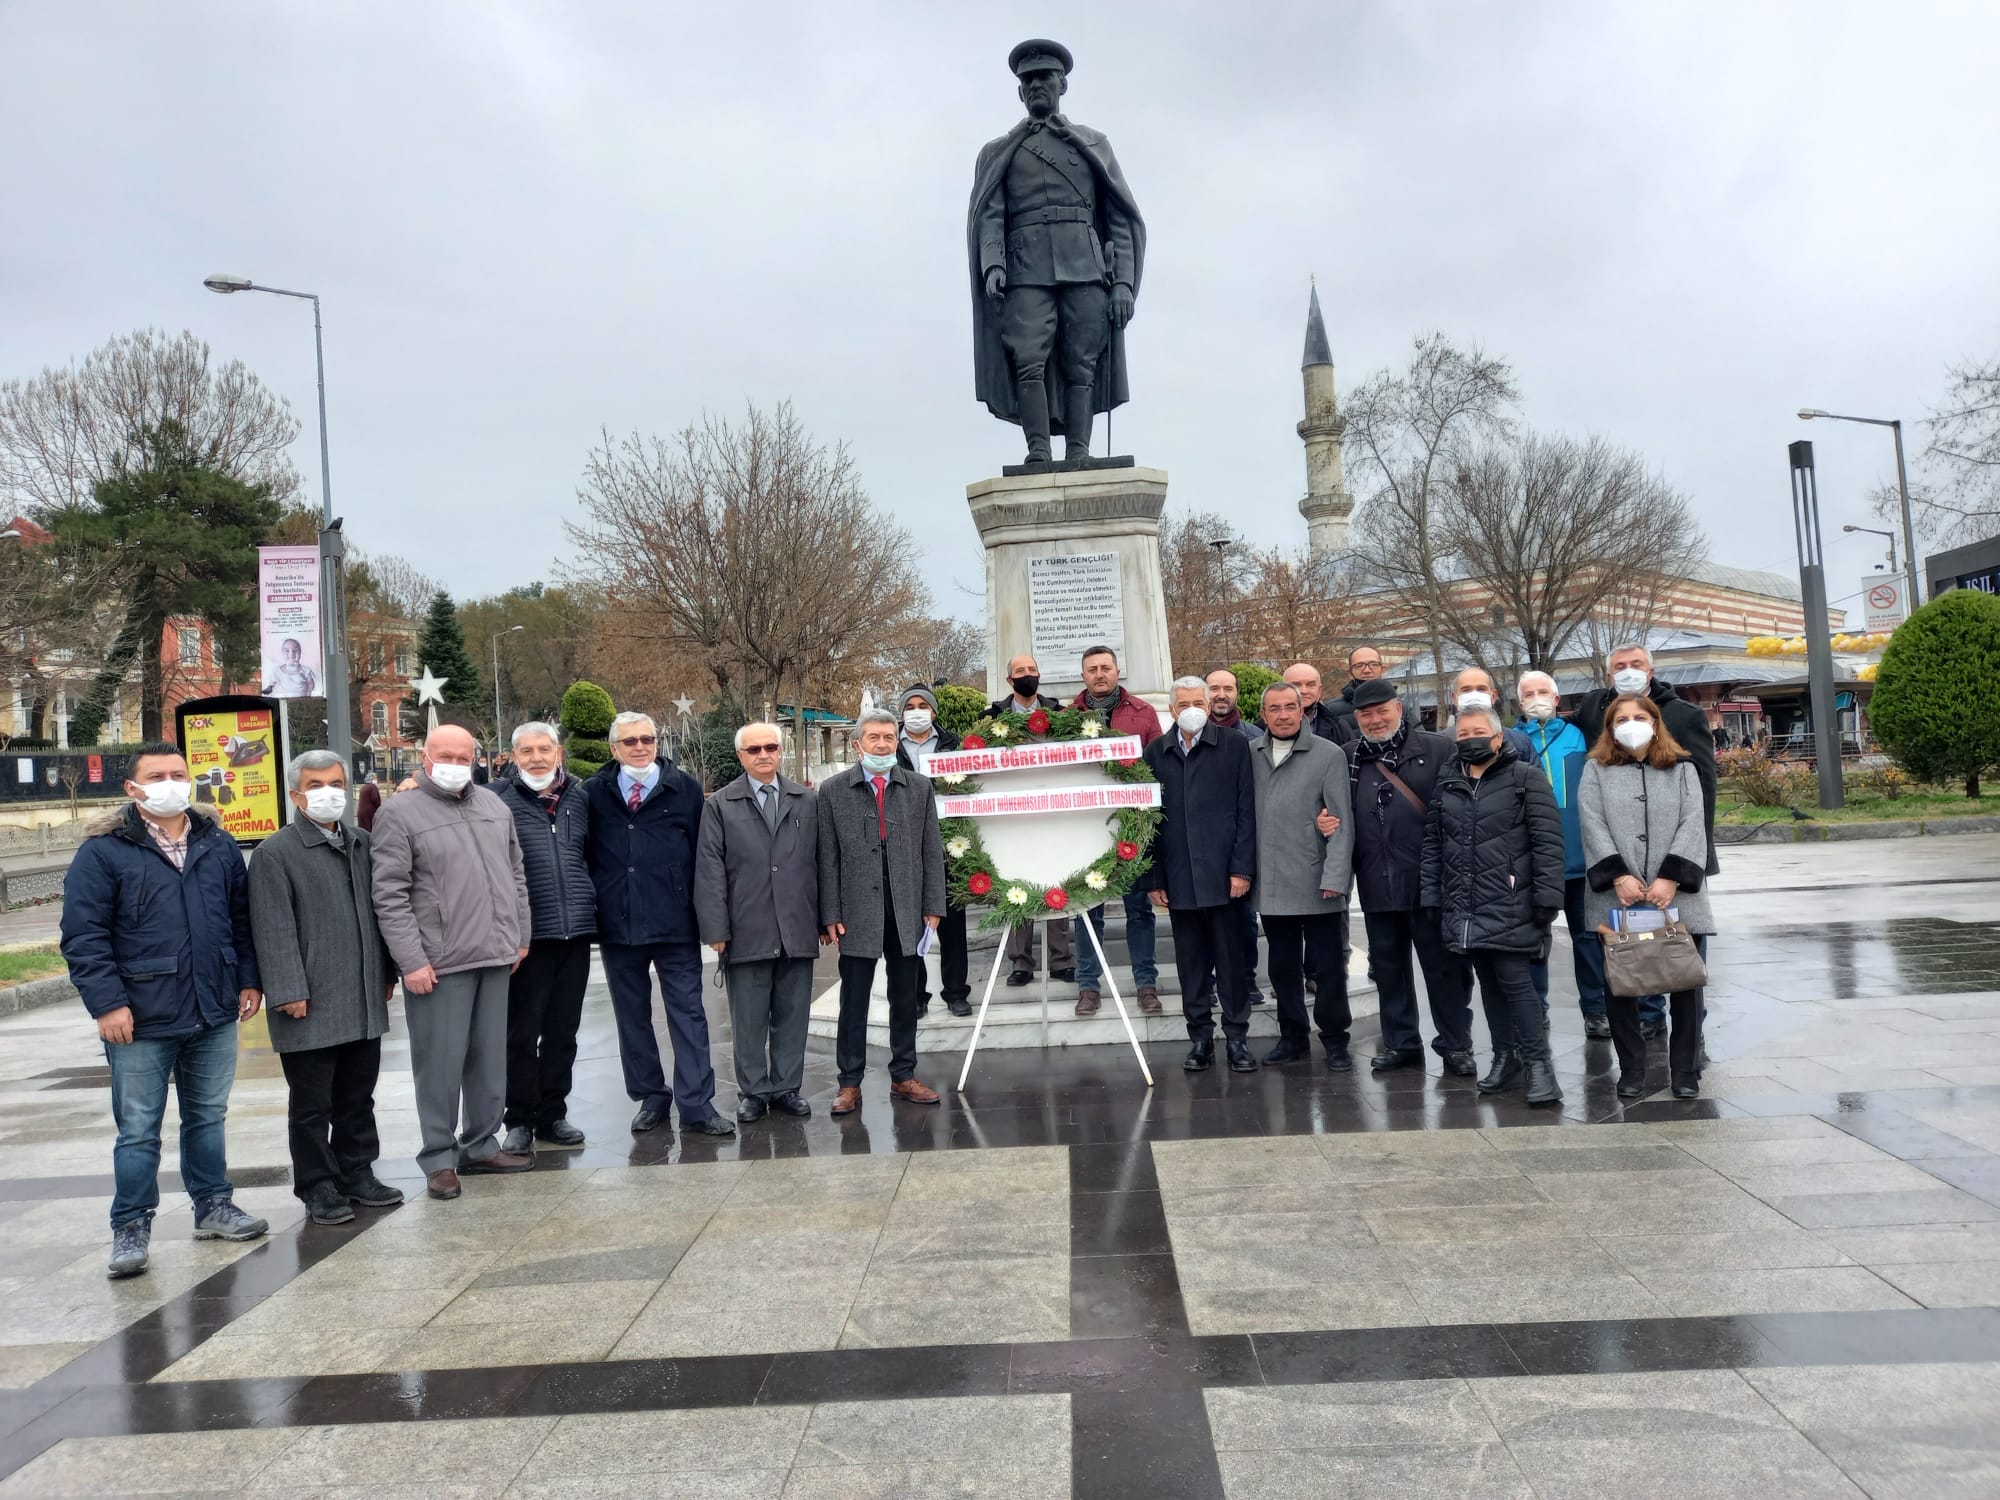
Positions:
(752, 548)
(1204, 584)
(67, 430)
(1956, 498)
(1299, 607)
(938, 651)
(1547, 531)
(389, 585)
(1408, 432)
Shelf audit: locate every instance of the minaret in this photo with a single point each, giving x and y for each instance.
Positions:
(1327, 504)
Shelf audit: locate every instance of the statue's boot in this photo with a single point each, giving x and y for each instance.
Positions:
(1076, 422)
(1034, 400)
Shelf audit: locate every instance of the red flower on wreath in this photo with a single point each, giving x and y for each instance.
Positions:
(1038, 722)
(1132, 762)
(1127, 849)
(979, 883)
(972, 742)
(1056, 897)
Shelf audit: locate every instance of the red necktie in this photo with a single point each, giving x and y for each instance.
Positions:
(881, 813)
(638, 796)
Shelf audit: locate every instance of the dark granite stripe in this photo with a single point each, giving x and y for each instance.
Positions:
(100, 1185)
(1155, 1443)
(886, 1374)
(1123, 1282)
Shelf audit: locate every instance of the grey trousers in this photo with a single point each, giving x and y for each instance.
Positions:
(769, 1000)
(458, 1062)
(1024, 946)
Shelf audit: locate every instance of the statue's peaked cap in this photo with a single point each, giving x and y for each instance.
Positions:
(1038, 54)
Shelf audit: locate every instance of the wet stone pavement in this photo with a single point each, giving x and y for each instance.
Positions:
(1063, 1283)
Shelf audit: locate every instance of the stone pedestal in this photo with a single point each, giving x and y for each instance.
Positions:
(1079, 512)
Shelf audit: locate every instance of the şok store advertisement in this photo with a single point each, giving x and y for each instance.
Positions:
(236, 764)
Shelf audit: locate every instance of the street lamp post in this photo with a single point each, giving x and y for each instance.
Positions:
(496, 682)
(332, 547)
(1819, 646)
(1221, 546)
(1878, 531)
(1807, 414)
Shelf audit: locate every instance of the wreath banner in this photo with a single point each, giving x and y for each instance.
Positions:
(1064, 743)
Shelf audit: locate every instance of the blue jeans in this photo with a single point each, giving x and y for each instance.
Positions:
(1138, 936)
(202, 1067)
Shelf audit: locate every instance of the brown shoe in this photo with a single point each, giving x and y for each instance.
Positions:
(847, 1101)
(1087, 1002)
(443, 1184)
(500, 1161)
(1149, 1001)
(913, 1091)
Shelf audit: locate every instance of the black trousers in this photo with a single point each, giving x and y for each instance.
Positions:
(544, 1009)
(951, 960)
(1315, 945)
(857, 981)
(1513, 1010)
(1683, 1042)
(1392, 935)
(1211, 938)
(330, 1113)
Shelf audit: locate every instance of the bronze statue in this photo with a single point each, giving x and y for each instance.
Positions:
(1056, 248)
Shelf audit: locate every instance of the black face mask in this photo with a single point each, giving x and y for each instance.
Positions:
(1024, 687)
(1474, 752)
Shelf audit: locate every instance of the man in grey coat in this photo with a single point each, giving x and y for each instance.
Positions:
(452, 900)
(1303, 872)
(756, 898)
(881, 883)
(326, 987)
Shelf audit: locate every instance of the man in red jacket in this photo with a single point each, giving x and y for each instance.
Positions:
(1121, 713)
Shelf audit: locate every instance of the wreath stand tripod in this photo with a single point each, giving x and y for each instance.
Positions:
(1110, 983)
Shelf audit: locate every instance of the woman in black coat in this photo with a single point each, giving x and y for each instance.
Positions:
(1493, 869)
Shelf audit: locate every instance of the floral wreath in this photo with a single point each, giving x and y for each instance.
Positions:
(971, 872)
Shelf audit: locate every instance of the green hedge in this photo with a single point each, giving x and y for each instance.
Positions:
(1935, 707)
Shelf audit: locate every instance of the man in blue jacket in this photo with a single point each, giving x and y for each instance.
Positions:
(1560, 750)
(645, 825)
(156, 932)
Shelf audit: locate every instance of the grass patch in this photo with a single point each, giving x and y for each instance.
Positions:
(30, 963)
(1862, 808)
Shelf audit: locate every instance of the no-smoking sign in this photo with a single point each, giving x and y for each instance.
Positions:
(1882, 596)
(1883, 602)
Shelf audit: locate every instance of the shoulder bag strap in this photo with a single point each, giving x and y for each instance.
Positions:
(1404, 787)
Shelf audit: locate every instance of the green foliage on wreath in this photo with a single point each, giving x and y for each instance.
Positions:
(1108, 877)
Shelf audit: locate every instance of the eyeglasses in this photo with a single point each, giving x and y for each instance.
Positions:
(640, 739)
(760, 749)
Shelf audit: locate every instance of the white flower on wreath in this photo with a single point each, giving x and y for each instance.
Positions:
(1092, 729)
(1095, 880)
(1000, 731)
(957, 848)
(1016, 896)
(957, 779)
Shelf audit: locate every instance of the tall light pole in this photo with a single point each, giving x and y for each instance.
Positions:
(332, 548)
(1808, 413)
(496, 681)
(1878, 531)
(1819, 646)
(1221, 546)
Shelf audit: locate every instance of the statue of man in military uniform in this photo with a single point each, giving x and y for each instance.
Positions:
(1056, 247)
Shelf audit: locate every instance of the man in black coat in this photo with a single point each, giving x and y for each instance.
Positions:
(545, 995)
(1629, 669)
(645, 823)
(1364, 664)
(1204, 859)
(1319, 719)
(1393, 767)
(1493, 874)
(922, 735)
(1024, 676)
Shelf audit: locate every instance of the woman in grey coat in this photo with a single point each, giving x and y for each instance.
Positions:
(1645, 843)
(1303, 874)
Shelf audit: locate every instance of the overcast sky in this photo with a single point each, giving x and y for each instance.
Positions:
(531, 221)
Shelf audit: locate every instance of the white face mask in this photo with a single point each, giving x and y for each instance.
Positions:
(1631, 679)
(918, 722)
(538, 783)
(1474, 698)
(1539, 708)
(165, 799)
(325, 804)
(1634, 734)
(1192, 720)
(451, 778)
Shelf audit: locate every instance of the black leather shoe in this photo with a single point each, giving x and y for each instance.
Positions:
(1063, 976)
(1504, 1074)
(647, 1119)
(1597, 1028)
(1687, 1090)
(792, 1104)
(1288, 1050)
(1542, 1085)
(371, 1192)
(327, 1204)
(713, 1125)
(561, 1133)
(1200, 1058)
(1256, 997)
(1016, 978)
(959, 1007)
(1461, 1065)
(1649, 1030)
(1240, 1060)
(750, 1107)
(1389, 1062)
(1339, 1060)
(1631, 1085)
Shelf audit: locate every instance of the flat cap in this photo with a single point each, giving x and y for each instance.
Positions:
(1381, 690)
(1038, 55)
